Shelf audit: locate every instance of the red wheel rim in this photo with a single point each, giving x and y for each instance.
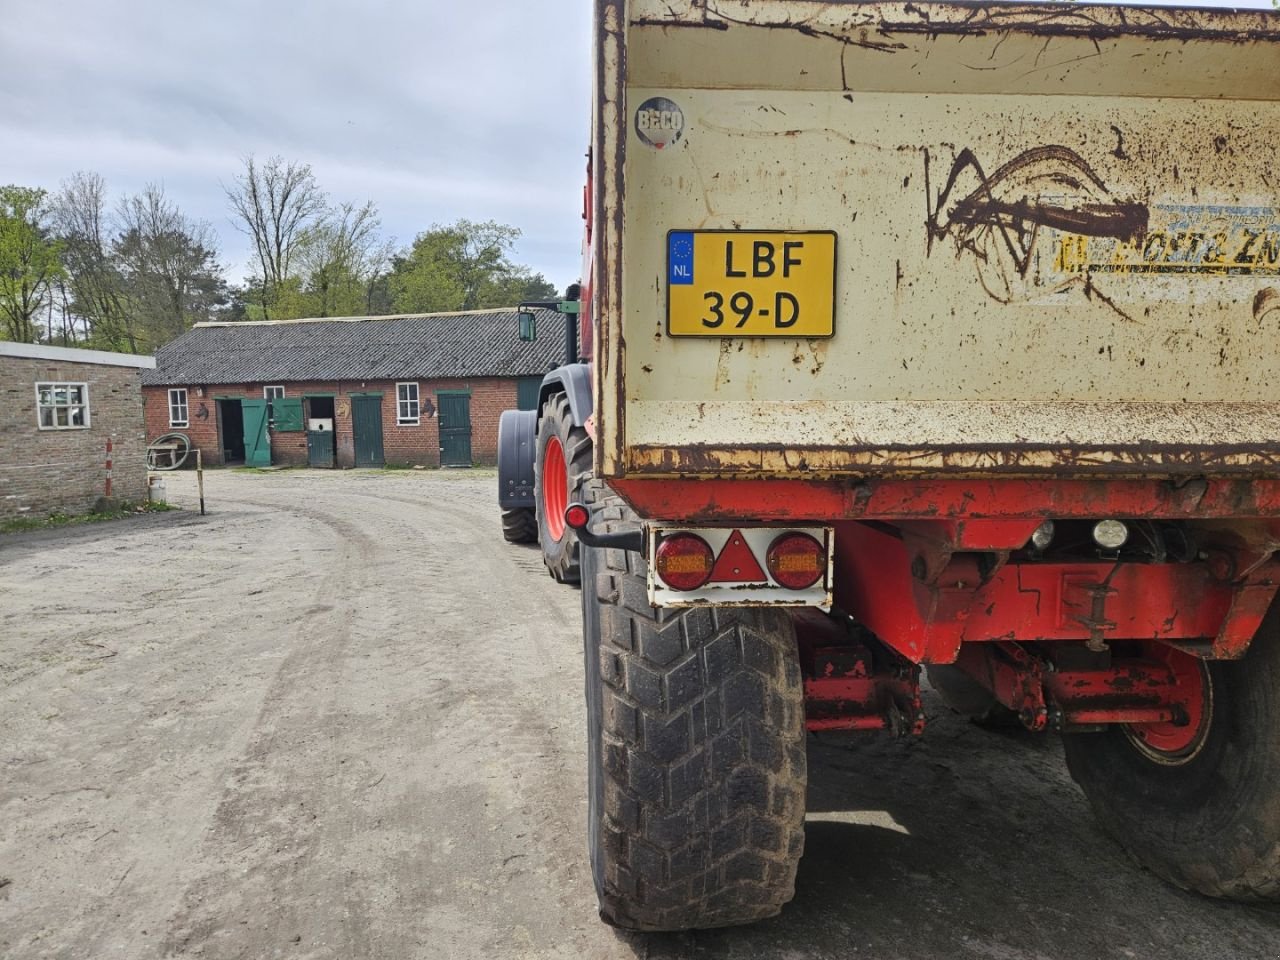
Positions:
(1175, 742)
(555, 488)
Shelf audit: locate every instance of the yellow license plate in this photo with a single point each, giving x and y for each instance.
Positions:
(734, 283)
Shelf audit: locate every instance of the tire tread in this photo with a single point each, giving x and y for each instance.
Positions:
(703, 753)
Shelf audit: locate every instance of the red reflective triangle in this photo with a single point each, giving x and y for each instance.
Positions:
(736, 563)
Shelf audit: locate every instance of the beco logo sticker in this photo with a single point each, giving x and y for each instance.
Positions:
(659, 122)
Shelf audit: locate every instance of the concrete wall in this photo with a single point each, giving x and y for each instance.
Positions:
(417, 445)
(43, 471)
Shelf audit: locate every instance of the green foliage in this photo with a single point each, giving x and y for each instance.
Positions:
(168, 266)
(463, 266)
(133, 276)
(30, 261)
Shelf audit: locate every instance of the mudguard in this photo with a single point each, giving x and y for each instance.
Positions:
(574, 381)
(517, 435)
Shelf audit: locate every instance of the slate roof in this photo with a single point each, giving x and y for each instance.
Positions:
(484, 343)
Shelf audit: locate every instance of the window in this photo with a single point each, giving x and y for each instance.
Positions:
(407, 410)
(62, 406)
(178, 407)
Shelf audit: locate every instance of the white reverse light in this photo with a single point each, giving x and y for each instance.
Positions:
(1110, 534)
(1042, 536)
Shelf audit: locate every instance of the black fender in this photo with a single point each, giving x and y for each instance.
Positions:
(517, 447)
(574, 381)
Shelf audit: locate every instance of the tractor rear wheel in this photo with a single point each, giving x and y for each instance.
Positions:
(519, 526)
(1198, 803)
(563, 463)
(696, 745)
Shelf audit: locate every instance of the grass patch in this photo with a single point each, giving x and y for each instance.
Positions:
(59, 519)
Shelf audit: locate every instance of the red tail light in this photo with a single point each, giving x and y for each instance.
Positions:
(683, 561)
(796, 560)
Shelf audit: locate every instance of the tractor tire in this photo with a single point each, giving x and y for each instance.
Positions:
(696, 750)
(562, 465)
(519, 526)
(1206, 818)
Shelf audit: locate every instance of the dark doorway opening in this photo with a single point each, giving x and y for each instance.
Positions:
(320, 408)
(231, 427)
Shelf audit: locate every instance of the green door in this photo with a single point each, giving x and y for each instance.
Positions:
(257, 447)
(527, 389)
(366, 425)
(455, 429)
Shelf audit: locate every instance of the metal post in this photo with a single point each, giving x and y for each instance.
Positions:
(200, 477)
(108, 490)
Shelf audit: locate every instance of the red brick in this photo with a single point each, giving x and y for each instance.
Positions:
(402, 445)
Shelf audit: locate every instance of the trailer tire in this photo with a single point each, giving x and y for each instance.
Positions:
(1210, 820)
(696, 750)
(562, 465)
(519, 526)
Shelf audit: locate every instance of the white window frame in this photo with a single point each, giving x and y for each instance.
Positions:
(270, 393)
(185, 404)
(67, 385)
(406, 403)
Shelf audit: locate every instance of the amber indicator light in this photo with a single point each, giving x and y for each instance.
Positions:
(796, 561)
(684, 561)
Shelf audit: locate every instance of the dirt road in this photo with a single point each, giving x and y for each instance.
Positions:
(339, 718)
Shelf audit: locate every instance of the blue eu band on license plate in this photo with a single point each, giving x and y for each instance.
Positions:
(680, 257)
(738, 283)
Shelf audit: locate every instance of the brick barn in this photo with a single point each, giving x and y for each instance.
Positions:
(58, 409)
(348, 392)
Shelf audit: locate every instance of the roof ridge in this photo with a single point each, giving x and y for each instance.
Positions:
(387, 316)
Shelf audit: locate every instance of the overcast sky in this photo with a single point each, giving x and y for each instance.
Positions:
(434, 110)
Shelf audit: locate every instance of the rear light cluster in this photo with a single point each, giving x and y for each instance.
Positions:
(796, 561)
(684, 561)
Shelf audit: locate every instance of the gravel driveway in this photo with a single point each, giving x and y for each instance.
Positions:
(338, 717)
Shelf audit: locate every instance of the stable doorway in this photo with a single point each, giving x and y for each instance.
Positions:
(242, 425)
(455, 429)
(366, 428)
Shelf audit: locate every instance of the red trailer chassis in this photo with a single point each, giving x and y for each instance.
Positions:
(930, 572)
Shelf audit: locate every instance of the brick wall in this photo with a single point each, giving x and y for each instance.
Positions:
(42, 471)
(409, 444)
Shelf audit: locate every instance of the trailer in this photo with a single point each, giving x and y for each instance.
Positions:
(919, 337)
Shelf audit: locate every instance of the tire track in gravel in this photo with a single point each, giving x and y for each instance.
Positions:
(260, 833)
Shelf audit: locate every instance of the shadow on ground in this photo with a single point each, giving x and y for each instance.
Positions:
(970, 843)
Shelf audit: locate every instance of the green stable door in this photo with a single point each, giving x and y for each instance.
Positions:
(366, 427)
(455, 429)
(257, 445)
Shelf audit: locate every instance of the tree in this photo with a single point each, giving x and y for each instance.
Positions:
(169, 266)
(339, 261)
(30, 260)
(94, 288)
(464, 266)
(274, 204)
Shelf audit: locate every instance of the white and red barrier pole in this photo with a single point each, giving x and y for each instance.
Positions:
(108, 490)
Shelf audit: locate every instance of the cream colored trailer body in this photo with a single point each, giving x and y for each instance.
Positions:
(1057, 237)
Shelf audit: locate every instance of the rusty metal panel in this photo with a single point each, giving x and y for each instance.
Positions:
(1058, 237)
